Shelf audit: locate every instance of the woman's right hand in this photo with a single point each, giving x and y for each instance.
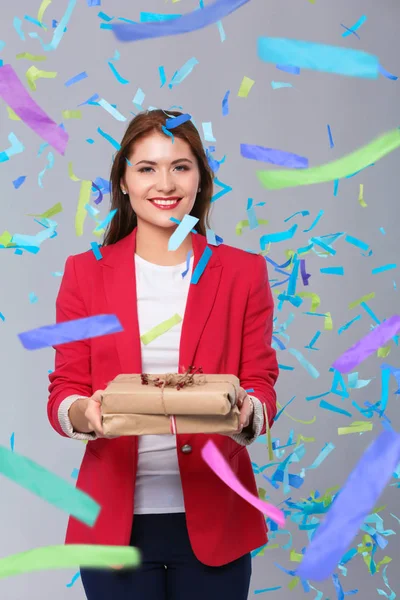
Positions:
(92, 413)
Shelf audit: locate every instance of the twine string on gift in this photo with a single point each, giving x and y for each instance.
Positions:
(176, 380)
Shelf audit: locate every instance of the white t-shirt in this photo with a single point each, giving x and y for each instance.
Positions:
(161, 293)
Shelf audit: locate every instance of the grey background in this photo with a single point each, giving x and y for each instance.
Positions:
(289, 119)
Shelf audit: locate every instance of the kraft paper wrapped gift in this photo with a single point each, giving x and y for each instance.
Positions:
(204, 404)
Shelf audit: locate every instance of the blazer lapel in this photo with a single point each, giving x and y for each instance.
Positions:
(119, 277)
(199, 304)
(120, 290)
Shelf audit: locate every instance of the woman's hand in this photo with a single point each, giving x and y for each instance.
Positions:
(246, 410)
(92, 414)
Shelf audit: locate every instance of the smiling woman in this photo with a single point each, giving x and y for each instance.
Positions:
(154, 178)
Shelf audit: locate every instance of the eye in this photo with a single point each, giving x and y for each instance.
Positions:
(145, 170)
(182, 168)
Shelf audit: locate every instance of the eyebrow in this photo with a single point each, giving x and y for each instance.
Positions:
(174, 162)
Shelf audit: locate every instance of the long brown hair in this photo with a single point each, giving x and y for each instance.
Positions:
(125, 219)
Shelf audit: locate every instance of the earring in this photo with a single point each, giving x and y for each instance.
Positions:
(124, 192)
(199, 190)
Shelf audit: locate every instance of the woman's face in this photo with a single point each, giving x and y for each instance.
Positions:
(163, 180)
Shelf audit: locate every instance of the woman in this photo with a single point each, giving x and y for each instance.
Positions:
(156, 492)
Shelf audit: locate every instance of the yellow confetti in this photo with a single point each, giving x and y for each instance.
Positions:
(293, 583)
(72, 114)
(5, 239)
(29, 56)
(302, 438)
(44, 4)
(84, 198)
(361, 196)
(71, 173)
(356, 427)
(54, 210)
(362, 299)
(245, 223)
(159, 329)
(383, 352)
(315, 299)
(268, 435)
(245, 87)
(33, 73)
(12, 115)
(328, 324)
(385, 561)
(297, 420)
(295, 556)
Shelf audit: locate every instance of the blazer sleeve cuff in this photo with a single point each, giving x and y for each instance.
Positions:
(65, 422)
(244, 438)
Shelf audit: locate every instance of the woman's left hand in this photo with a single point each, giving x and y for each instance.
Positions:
(246, 412)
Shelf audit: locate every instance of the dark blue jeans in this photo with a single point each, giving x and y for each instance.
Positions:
(169, 569)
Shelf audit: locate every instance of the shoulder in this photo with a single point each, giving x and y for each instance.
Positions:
(237, 258)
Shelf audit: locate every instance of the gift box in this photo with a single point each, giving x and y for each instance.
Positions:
(141, 404)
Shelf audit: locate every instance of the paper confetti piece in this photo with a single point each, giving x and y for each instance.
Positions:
(304, 363)
(33, 57)
(319, 57)
(245, 87)
(356, 427)
(117, 76)
(212, 456)
(139, 99)
(276, 85)
(160, 329)
(173, 122)
(75, 578)
(72, 114)
(361, 197)
(275, 157)
(59, 30)
(84, 198)
(12, 115)
(12, 441)
(332, 271)
(387, 74)
(70, 331)
(50, 165)
(42, 9)
(110, 139)
(183, 72)
(208, 133)
(76, 78)
(356, 26)
(212, 13)
(384, 268)
(350, 507)
(18, 28)
(201, 265)
(289, 69)
(225, 104)
(110, 109)
(16, 147)
(19, 181)
(52, 488)
(181, 232)
(225, 190)
(69, 556)
(14, 94)
(337, 169)
(277, 237)
(149, 17)
(377, 338)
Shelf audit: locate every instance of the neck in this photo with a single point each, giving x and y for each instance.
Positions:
(152, 245)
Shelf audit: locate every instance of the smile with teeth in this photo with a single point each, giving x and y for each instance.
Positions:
(167, 202)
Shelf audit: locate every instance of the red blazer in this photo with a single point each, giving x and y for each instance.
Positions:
(227, 328)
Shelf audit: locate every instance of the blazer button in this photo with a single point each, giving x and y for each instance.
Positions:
(186, 449)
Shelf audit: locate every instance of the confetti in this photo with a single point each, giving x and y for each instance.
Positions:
(183, 72)
(68, 556)
(76, 78)
(212, 13)
(275, 157)
(275, 180)
(181, 232)
(212, 456)
(111, 109)
(356, 26)
(225, 104)
(59, 30)
(319, 57)
(377, 338)
(14, 94)
(117, 76)
(48, 486)
(160, 329)
(201, 265)
(70, 331)
(355, 501)
(245, 87)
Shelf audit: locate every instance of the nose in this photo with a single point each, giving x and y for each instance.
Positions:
(165, 182)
